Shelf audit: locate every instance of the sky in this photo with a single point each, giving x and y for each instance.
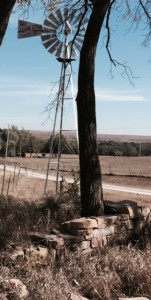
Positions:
(28, 73)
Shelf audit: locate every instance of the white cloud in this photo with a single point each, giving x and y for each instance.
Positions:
(14, 87)
(119, 95)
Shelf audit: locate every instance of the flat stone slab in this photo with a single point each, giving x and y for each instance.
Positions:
(134, 298)
(104, 221)
(122, 207)
(53, 241)
(83, 223)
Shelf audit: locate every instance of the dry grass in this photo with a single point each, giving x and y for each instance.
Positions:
(116, 165)
(104, 274)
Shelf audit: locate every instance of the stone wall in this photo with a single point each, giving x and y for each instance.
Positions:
(122, 220)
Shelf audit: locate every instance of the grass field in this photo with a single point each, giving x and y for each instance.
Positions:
(125, 171)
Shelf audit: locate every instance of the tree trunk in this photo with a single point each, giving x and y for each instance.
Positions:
(90, 171)
(6, 7)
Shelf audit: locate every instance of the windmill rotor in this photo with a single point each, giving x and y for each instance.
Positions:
(59, 33)
(63, 24)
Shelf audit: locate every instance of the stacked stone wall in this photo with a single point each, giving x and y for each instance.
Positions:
(122, 221)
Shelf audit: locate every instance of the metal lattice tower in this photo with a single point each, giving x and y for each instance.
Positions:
(62, 36)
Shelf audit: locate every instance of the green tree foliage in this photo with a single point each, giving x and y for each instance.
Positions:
(113, 148)
(19, 142)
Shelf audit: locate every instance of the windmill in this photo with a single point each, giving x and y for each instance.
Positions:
(62, 36)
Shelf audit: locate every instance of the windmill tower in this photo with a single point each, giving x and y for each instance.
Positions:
(62, 36)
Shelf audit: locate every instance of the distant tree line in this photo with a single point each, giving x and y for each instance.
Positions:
(113, 148)
(21, 142)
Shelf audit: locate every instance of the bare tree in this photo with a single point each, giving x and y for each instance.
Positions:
(5, 12)
(90, 172)
(99, 15)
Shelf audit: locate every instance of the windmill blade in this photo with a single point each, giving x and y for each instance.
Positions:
(77, 45)
(82, 29)
(50, 43)
(29, 29)
(59, 15)
(79, 40)
(74, 52)
(54, 19)
(59, 50)
(54, 47)
(46, 37)
(85, 21)
(81, 34)
(72, 15)
(49, 24)
(66, 11)
(77, 19)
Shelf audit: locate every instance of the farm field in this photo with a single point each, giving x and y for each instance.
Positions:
(132, 172)
(139, 166)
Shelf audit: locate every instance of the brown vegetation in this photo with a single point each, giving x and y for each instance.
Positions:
(106, 274)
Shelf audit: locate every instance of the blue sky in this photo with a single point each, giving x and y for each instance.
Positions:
(28, 71)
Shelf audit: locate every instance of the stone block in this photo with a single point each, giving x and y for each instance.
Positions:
(94, 243)
(104, 221)
(103, 232)
(134, 298)
(132, 210)
(51, 240)
(80, 232)
(102, 241)
(83, 245)
(145, 211)
(70, 239)
(83, 223)
(122, 207)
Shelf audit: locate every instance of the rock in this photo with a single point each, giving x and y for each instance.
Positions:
(83, 245)
(122, 207)
(102, 241)
(76, 297)
(94, 243)
(83, 223)
(134, 298)
(104, 221)
(14, 287)
(69, 238)
(103, 232)
(51, 240)
(40, 254)
(145, 211)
